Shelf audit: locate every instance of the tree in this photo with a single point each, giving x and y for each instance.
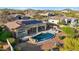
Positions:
(71, 44)
(4, 35)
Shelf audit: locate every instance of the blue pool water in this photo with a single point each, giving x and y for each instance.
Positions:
(43, 36)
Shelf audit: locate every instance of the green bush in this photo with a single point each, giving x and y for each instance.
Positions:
(71, 44)
(61, 37)
(5, 35)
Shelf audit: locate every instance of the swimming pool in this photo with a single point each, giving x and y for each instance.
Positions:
(43, 36)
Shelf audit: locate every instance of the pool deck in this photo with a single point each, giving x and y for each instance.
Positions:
(43, 45)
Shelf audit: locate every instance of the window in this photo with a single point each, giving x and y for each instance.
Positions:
(22, 33)
(41, 28)
(32, 31)
(52, 21)
(48, 27)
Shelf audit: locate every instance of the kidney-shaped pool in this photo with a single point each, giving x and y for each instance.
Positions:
(43, 36)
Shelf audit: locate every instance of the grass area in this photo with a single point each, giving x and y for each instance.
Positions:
(69, 31)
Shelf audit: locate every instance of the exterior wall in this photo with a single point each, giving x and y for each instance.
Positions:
(23, 31)
(53, 21)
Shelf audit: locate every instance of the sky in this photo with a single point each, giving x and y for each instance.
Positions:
(39, 3)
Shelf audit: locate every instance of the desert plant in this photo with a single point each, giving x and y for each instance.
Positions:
(71, 44)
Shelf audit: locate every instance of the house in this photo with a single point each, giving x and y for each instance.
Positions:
(74, 22)
(54, 21)
(44, 14)
(66, 10)
(38, 35)
(18, 17)
(51, 15)
(11, 26)
(22, 29)
(70, 21)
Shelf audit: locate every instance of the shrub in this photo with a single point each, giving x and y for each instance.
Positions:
(71, 44)
(61, 37)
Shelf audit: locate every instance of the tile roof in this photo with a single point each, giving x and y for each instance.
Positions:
(47, 45)
(18, 23)
(56, 39)
(12, 25)
(61, 34)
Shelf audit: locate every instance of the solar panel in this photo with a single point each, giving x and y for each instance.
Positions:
(31, 22)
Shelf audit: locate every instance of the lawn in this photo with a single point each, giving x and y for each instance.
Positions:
(69, 31)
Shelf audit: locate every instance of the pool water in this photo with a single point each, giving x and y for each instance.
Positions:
(43, 36)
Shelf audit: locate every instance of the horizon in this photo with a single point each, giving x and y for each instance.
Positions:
(41, 8)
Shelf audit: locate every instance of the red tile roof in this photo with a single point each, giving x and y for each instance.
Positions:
(47, 45)
(12, 25)
(57, 39)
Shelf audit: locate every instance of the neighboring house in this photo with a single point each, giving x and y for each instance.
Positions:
(44, 14)
(66, 11)
(74, 22)
(54, 21)
(71, 21)
(15, 16)
(18, 17)
(51, 15)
